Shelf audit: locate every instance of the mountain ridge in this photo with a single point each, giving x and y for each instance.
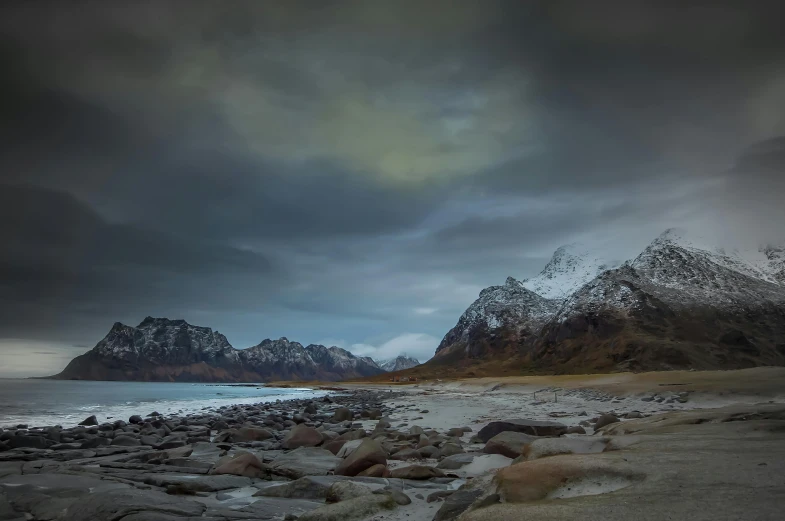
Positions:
(160, 349)
(678, 304)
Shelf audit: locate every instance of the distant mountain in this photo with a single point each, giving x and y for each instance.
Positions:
(159, 349)
(398, 364)
(680, 303)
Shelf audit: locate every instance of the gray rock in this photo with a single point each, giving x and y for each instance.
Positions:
(456, 503)
(456, 461)
(531, 427)
(126, 441)
(90, 420)
(342, 414)
(406, 454)
(416, 472)
(605, 419)
(303, 488)
(118, 504)
(301, 436)
(343, 490)
(305, 461)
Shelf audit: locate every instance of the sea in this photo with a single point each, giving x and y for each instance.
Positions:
(38, 403)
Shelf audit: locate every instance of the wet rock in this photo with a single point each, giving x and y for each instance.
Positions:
(303, 488)
(120, 504)
(90, 420)
(32, 442)
(135, 419)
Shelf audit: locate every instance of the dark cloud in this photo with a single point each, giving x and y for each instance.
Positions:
(360, 170)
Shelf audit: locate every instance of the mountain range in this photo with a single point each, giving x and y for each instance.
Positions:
(159, 349)
(678, 304)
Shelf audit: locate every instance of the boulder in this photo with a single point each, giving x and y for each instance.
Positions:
(417, 472)
(126, 441)
(248, 434)
(576, 430)
(457, 503)
(342, 414)
(334, 446)
(136, 419)
(90, 420)
(605, 419)
(244, 464)
(343, 490)
(531, 427)
(130, 502)
(508, 443)
(366, 455)
(301, 436)
(32, 442)
(348, 448)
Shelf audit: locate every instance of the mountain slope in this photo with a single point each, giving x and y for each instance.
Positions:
(499, 319)
(676, 305)
(160, 349)
(679, 304)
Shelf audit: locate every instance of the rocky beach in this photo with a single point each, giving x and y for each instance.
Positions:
(654, 446)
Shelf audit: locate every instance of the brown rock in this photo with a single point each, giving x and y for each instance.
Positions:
(377, 471)
(244, 464)
(508, 443)
(302, 436)
(368, 454)
(246, 434)
(417, 472)
(334, 446)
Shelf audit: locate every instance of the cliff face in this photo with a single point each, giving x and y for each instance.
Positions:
(160, 349)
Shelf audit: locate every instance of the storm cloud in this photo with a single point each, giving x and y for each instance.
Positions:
(355, 172)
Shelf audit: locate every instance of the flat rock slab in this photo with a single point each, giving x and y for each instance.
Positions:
(531, 427)
(118, 504)
(456, 461)
(305, 461)
(508, 443)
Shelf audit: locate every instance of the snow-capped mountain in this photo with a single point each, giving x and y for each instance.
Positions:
(501, 315)
(679, 303)
(159, 349)
(399, 363)
(571, 266)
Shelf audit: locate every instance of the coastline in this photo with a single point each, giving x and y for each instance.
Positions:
(455, 449)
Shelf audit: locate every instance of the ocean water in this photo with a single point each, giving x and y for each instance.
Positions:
(68, 402)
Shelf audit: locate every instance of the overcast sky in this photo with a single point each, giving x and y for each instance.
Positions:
(355, 172)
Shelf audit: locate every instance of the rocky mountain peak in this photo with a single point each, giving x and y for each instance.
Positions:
(398, 363)
(570, 267)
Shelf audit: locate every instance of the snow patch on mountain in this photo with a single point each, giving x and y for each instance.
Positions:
(398, 364)
(571, 266)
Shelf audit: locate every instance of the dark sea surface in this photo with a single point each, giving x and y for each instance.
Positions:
(67, 402)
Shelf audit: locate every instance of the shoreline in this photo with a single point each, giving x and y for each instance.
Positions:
(457, 451)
